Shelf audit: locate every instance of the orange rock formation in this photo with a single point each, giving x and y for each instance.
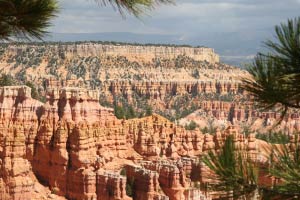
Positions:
(72, 147)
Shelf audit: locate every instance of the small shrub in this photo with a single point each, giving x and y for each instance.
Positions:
(191, 126)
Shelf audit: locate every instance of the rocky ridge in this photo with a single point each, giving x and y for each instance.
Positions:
(133, 51)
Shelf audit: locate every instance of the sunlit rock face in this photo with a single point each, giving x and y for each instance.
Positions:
(19, 124)
(131, 51)
(163, 77)
(73, 148)
(76, 138)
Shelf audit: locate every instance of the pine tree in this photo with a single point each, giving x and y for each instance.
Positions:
(235, 172)
(275, 76)
(25, 19)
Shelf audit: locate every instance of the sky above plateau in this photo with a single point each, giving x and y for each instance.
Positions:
(215, 23)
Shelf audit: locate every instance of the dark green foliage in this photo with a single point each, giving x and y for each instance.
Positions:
(119, 112)
(234, 170)
(136, 7)
(204, 130)
(191, 126)
(185, 112)
(149, 111)
(130, 186)
(34, 92)
(30, 18)
(123, 172)
(182, 105)
(210, 130)
(42, 99)
(25, 18)
(130, 114)
(7, 80)
(273, 138)
(103, 102)
(237, 174)
(286, 166)
(276, 75)
(124, 112)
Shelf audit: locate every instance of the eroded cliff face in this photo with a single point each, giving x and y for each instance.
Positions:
(132, 51)
(243, 114)
(72, 147)
(76, 138)
(171, 80)
(20, 115)
(159, 90)
(62, 144)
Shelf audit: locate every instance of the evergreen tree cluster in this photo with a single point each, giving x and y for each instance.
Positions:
(128, 112)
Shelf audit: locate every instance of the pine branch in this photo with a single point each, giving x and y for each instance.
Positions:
(26, 18)
(135, 7)
(275, 76)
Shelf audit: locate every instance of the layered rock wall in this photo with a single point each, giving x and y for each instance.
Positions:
(130, 51)
(160, 89)
(144, 183)
(19, 123)
(59, 144)
(111, 186)
(76, 138)
(75, 148)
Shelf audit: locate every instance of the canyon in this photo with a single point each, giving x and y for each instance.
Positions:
(71, 147)
(184, 84)
(69, 143)
(161, 82)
